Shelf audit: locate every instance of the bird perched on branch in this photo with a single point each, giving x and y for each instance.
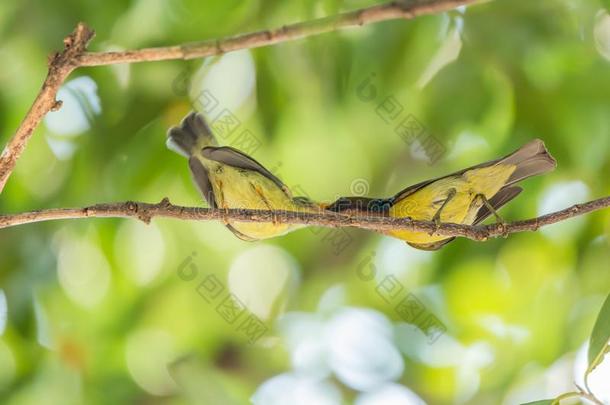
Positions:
(228, 178)
(465, 197)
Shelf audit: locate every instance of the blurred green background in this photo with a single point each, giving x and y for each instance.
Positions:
(95, 311)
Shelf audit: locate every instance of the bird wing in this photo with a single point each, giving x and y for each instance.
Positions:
(531, 159)
(202, 181)
(413, 188)
(236, 158)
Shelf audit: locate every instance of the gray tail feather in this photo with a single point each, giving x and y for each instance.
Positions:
(192, 133)
(531, 159)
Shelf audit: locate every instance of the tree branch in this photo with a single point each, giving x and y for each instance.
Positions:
(74, 55)
(147, 211)
(405, 9)
(60, 66)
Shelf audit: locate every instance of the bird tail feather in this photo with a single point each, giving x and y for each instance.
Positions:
(531, 159)
(192, 134)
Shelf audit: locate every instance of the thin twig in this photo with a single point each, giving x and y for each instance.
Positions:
(591, 398)
(405, 9)
(75, 55)
(586, 392)
(580, 393)
(147, 211)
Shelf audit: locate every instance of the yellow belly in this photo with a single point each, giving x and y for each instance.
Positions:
(234, 188)
(461, 209)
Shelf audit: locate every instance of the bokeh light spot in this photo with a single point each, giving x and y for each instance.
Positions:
(83, 271)
(149, 352)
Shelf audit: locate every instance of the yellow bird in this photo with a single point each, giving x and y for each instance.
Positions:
(228, 178)
(464, 197)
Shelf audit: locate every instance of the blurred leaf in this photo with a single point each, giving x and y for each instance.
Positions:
(541, 402)
(600, 337)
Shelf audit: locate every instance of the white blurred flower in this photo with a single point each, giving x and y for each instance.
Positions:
(332, 299)
(311, 357)
(361, 349)
(447, 352)
(296, 326)
(295, 389)
(389, 394)
(354, 345)
(303, 333)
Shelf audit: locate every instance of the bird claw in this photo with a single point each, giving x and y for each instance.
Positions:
(503, 229)
(437, 224)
